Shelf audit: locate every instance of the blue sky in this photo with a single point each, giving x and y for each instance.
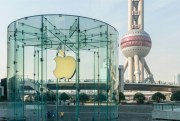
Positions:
(162, 22)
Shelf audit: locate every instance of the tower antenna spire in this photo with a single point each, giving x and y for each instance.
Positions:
(135, 14)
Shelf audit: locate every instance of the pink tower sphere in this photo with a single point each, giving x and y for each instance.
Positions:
(136, 42)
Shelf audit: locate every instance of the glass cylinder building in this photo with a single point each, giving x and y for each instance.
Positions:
(52, 55)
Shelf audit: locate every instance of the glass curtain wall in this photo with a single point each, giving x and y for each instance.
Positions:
(34, 92)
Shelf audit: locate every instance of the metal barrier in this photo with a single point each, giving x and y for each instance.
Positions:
(166, 107)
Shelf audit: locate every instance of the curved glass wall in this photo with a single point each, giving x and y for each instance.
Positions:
(34, 92)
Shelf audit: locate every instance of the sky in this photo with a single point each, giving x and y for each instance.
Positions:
(162, 22)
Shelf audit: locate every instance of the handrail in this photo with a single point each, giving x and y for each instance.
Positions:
(175, 107)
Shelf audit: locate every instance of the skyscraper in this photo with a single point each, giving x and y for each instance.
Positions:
(136, 44)
(177, 78)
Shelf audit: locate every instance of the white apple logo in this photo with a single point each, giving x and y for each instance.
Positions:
(65, 67)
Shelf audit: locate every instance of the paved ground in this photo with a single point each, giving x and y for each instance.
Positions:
(126, 113)
(135, 113)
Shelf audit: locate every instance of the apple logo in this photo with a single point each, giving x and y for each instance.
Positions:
(65, 67)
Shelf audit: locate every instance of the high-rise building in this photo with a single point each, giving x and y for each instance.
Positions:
(136, 44)
(177, 78)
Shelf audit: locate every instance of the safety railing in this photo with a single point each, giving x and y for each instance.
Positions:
(166, 107)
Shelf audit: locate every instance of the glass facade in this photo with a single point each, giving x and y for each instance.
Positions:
(33, 43)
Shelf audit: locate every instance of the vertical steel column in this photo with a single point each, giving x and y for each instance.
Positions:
(38, 86)
(41, 60)
(23, 81)
(35, 78)
(8, 64)
(107, 76)
(98, 89)
(15, 76)
(94, 83)
(45, 85)
(77, 75)
(57, 100)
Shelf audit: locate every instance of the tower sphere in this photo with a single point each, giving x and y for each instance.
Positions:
(136, 42)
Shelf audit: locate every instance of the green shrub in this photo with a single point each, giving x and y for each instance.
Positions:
(158, 97)
(100, 97)
(64, 97)
(175, 96)
(83, 97)
(139, 98)
(121, 96)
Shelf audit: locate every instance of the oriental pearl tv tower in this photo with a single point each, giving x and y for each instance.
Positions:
(136, 44)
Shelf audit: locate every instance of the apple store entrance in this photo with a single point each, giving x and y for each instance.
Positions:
(62, 67)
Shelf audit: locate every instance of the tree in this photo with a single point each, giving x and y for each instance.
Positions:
(51, 96)
(158, 97)
(64, 97)
(46, 96)
(100, 97)
(121, 96)
(37, 97)
(175, 96)
(83, 97)
(139, 97)
(114, 96)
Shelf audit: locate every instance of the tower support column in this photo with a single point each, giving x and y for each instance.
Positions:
(141, 69)
(130, 69)
(125, 65)
(136, 67)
